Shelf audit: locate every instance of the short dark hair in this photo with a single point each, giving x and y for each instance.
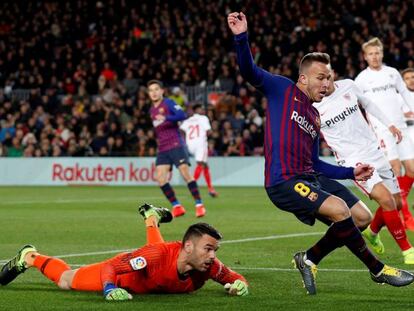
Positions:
(154, 81)
(197, 106)
(310, 58)
(199, 229)
(407, 70)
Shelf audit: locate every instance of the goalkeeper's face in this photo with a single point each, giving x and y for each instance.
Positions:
(202, 252)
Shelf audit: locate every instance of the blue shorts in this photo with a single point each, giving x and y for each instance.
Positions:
(303, 194)
(176, 156)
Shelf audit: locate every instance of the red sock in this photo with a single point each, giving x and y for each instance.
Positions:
(198, 171)
(207, 177)
(378, 222)
(395, 227)
(405, 183)
(51, 267)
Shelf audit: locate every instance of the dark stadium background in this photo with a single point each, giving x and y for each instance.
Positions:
(73, 73)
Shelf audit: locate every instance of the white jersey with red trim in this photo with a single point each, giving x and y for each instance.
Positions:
(196, 128)
(382, 87)
(342, 124)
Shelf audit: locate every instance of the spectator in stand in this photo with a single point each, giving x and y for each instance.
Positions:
(61, 70)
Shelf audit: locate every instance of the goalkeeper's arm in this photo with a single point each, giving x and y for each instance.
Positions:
(229, 278)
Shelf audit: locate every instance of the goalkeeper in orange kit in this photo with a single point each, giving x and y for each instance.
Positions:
(158, 267)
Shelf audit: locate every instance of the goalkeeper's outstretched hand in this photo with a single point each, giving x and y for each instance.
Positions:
(238, 288)
(111, 292)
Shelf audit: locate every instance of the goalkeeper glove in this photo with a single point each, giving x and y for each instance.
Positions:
(238, 288)
(111, 292)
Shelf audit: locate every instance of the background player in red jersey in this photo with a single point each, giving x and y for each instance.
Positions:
(165, 115)
(158, 267)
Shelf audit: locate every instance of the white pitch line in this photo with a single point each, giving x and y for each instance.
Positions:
(272, 237)
(294, 269)
(275, 269)
(86, 200)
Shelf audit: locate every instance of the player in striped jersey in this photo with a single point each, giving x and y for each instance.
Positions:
(296, 180)
(158, 267)
(353, 141)
(165, 115)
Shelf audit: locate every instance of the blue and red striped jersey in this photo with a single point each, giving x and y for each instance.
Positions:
(292, 124)
(167, 131)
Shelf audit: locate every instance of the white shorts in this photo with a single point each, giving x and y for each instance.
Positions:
(410, 132)
(403, 151)
(199, 151)
(382, 173)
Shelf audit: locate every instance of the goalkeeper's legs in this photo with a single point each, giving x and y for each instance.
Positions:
(86, 278)
(53, 268)
(153, 216)
(153, 234)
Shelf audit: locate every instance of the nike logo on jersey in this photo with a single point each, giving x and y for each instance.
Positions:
(297, 100)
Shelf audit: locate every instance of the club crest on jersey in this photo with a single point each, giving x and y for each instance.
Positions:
(304, 124)
(161, 110)
(313, 196)
(347, 96)
(138, 263)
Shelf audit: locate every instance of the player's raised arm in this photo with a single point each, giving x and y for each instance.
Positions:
(237, 22)
(254, 75)
(373, 109)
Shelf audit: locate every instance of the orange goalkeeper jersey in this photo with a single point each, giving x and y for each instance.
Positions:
(153, 269)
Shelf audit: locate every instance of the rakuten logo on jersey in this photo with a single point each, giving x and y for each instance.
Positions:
(342, 116)
(304, 124)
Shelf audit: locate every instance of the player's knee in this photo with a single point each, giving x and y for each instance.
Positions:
(162, 179)
(65, 281)
(388, 204)
(363, 220)
(410, 172)
(64, 285)
(398, 203)
(185, 173)
(340, 210)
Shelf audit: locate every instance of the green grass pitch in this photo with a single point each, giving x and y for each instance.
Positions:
(88, 224)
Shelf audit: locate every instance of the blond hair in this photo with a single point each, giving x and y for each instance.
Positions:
(373, 42)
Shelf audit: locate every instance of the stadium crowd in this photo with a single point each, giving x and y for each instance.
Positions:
(84, 66)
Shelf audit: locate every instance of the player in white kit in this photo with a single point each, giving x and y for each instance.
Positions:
(408, 77)
(196, 130)
(352, 140)
(383, 85)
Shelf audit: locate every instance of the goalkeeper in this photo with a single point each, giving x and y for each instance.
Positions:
(158, 267)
